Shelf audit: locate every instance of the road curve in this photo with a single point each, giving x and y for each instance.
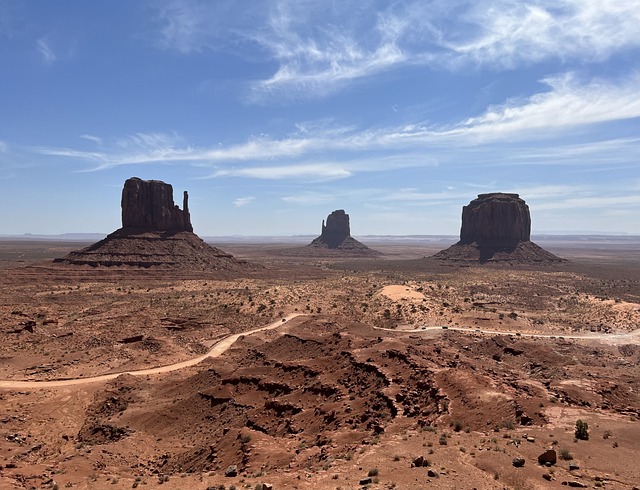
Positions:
(223, 345)
(216, 351)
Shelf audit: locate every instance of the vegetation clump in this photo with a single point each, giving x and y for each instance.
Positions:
(582, 430)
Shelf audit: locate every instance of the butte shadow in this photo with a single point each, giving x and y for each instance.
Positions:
(496, 227)
(155, 233)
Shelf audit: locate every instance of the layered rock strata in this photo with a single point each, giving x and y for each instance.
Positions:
(496, 219)
(496, 227)
(148, 205)
(155, 233)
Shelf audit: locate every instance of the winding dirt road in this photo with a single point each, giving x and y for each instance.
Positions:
(216, 351)
(631, 337)
(222, 346)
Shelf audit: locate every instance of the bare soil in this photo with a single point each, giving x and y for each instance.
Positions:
(357, 386)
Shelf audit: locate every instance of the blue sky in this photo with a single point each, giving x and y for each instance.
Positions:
(274, 113)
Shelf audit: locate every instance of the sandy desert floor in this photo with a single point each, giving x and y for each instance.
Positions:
(366, 365)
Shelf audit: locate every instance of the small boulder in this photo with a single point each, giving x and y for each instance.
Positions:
(573, 466)
(547, 476)
(548, 457)
(432, 474)
(518, 462)
(419, 462)
(366, 481)
(574, 484)
(231, 471)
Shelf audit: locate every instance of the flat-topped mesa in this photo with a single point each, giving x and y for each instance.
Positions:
(148, 205)
(496, 219)
(337, 229)
(496, 227)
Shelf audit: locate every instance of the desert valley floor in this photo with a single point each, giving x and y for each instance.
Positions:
(321, 371)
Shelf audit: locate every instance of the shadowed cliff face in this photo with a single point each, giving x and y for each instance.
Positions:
(496, 227)
(496, 219)
(336, 229)
(155, 233)
(148, 205)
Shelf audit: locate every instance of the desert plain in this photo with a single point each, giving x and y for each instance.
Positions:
(321, 371)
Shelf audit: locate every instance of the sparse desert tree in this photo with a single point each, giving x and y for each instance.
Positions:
(582, 430)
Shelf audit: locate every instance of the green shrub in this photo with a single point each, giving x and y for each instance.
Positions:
(582, 430)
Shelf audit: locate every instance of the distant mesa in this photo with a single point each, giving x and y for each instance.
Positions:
(496, 227)
(155, 232)
(336, 231)
(336, 235)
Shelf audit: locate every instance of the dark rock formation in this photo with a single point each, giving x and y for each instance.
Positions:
(548, 457)
(336, 235)
(336, 231)
(148, 205)
(496, 228)
(155, 233)
(496, 219)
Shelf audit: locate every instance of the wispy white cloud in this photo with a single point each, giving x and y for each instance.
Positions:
(356, 43)
(512, 32)
(153, 140)
(318, 47)
(243, 201)
(96, 139)
(309, 198)
(4, 147)
(46, 51)
(324, 152)
(312, 172)
(590, 202)
(569, 103)
(181, 25)
(609, 151)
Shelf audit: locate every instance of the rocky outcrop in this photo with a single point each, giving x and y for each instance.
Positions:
(155, 233)
(336, 230)
(548, 457)
(336, 236)
(496, 219)
(148, 205)
(496, 227)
